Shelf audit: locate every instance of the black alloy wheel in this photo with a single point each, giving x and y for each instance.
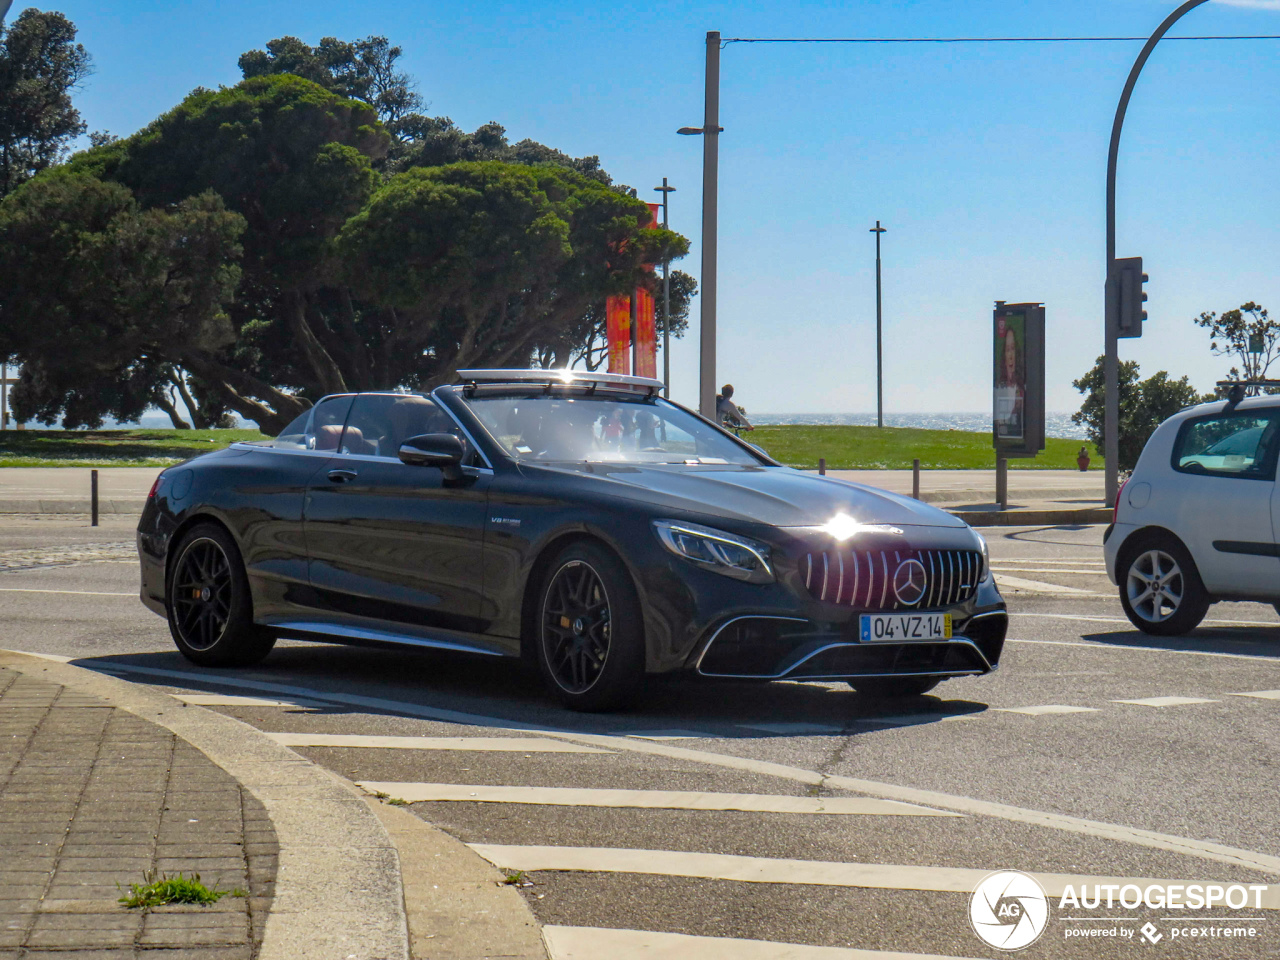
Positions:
(590, 641)
(202, 593)
(210, 609)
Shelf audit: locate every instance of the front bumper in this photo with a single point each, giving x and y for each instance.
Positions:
(775, 648)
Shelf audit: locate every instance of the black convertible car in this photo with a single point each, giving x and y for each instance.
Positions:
(577, 520)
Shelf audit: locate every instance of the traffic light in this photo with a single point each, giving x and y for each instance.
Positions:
(1125, 296)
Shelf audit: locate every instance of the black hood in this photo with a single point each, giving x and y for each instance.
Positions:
(778, 496)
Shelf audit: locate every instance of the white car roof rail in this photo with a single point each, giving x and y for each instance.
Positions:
(558, 376)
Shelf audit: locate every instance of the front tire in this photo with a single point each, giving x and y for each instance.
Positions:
(209, 604)
(1160, 588)
(894, 688)
(589, 635)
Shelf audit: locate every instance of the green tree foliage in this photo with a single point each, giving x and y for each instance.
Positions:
(40, 65)
(1144, 405)
(131, 294)
(361, 70)
(486, 264)
(1237, 332)
(351, 276)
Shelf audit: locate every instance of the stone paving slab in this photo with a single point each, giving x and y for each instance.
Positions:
(93, 798)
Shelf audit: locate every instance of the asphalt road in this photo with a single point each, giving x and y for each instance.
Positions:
(854, 824)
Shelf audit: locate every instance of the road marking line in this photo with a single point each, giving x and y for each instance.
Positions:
(667, 734)
(78, 593)
(718, 866)
(592, 943)
(230, 700)
(1079, 616)
(914, 719)
(792, 729)
(1045, 710)
(1039, 586)
(995, 562)
(487, 744)
(999, 570)
(1167, 701)
(1260, 694)
(1141, 649)
(1248, 859)
(649, 799)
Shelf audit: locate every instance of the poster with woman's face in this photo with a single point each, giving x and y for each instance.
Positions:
(1010, 376)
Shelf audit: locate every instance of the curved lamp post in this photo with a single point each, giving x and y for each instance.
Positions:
(1111, 362)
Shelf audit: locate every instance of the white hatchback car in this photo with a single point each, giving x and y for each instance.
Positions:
(1194, 523)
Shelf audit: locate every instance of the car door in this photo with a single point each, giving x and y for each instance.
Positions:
(1226, 467)
(392, 546)
(271, 485)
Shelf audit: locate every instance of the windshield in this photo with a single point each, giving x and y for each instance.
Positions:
(604, 429)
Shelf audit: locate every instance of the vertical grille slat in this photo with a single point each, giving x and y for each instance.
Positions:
(950, 577)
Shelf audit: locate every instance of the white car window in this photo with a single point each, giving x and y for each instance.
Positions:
(1231, 445)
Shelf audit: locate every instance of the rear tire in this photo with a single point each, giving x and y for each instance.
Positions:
(589, 631)
(1160, 588)
(894, 688)
(209, 605)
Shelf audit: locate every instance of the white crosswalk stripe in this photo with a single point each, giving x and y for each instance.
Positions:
(1167, 701)
(1259, 694)
(231, 700)
(649, 799)
(592, 943)
(872, 876)
(482, 744)
(1046, 709)
(792, 729)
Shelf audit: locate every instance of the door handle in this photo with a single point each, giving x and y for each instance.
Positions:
(342, 476)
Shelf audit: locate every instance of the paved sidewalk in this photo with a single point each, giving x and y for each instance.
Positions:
(94, 798)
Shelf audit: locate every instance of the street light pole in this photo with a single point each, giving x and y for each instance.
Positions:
(710, 133)
(666, 191)
(877, 230)
(1111, 356)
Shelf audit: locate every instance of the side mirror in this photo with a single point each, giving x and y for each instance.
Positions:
(442, 450)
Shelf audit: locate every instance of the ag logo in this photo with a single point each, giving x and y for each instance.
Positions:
(909, 582)
(1009, 910)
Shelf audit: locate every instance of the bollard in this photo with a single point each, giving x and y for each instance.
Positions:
(915, 478)
(1002, 483)
(822, 466)
(93, 498)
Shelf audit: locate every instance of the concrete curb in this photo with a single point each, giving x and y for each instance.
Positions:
(130, 507)
(1015, 517)
(338, 888)
(458, 906)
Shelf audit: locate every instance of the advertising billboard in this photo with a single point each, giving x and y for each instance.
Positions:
(1018, 382)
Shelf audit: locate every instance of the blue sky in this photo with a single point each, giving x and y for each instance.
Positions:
(986, 163)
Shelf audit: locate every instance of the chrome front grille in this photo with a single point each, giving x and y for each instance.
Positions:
(864, 578)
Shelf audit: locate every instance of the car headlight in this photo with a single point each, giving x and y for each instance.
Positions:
(716, 550)
(986, 557)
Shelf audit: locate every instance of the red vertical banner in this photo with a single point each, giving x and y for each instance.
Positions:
(617, 318)
(646, 333)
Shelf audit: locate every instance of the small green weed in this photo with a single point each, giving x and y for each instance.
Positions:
(517, 878)
(177, 889)
(397, 802)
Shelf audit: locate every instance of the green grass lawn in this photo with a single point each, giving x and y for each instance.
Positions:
(112, 448)
(845, 448)
(893, 448)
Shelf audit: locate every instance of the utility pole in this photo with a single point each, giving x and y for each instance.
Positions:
(710, 132)
(877, 230)
(666, 191)
(1111, 339)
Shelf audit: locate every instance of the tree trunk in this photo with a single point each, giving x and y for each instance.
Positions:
(163, 401)
(236, 389)
(328, 377)
(197, 417)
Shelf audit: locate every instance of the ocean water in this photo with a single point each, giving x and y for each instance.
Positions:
(1055, 424)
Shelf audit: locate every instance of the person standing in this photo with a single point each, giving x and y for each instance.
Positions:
(727, 412)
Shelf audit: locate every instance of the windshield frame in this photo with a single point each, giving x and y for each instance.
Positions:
(462, 395)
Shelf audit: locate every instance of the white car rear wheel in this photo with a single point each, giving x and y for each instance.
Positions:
(1160, 589)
